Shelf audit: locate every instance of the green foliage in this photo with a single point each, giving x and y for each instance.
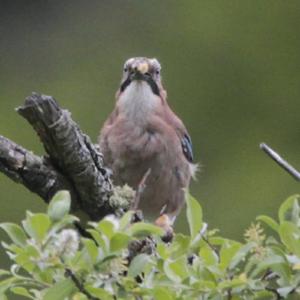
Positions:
(51, 261)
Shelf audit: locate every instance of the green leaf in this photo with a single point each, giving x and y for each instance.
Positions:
(15, 232)
(290, 236)
(81, 261)
(176, 270)
(66, 220)
(228, 250)
(180, 245)
(138, 264)
(208, 255)
(204, 285)
(3, 297)
(289, 210)
(119, 241)
(163, 250)
(269, 221)
(268, 263)
(79, 296)
(144, 229)
(263, 295)
(194, 215)
(217, 240)
(27, 257)
(37, 225)
(101, 240)
(4, 273)
(284, 291)
(22, 292)
(98, 292)
(162, 293)
(126, 220)
(235, 282)
(241, 254)
(107, 227)
(61, 290)
(59, 206)
(92, 249)
(7, 283)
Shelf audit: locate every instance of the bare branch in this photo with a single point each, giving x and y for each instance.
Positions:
(34, 172)
(280, 161)
(78, 284)
(140, 190)
(73, 162)
(71, 152)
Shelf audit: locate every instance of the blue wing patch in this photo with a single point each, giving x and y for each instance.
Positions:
(187, 147)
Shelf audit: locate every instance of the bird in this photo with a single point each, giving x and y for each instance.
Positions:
(143, 139)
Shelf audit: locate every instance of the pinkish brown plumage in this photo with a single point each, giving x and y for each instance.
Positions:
(143, 133)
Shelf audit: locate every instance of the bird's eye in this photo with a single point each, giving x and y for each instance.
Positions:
(157, 72)
(125, 69)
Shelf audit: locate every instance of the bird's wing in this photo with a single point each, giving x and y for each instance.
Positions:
(110, 121)
(185, 139)
(187, 147)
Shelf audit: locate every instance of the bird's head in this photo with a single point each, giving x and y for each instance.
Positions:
(142, 70)
(141, 92)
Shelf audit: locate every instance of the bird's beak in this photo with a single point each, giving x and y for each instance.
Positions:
(142, 67)
(139, 71)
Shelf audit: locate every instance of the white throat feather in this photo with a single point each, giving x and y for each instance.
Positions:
(138, 101)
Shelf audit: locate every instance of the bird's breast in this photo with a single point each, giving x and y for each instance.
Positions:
(138, 102)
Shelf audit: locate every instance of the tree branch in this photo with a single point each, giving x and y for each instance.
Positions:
(34, 172)
(79, 285)
(73, 162)
(280, 161)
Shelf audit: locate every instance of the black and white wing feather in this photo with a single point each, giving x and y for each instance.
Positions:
(187, 147)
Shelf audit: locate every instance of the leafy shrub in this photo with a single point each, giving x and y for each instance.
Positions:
(130, 261)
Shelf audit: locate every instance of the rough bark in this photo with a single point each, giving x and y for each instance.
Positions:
(72, 161)
(34, 172)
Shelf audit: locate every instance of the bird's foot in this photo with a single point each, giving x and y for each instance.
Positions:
(165, 223)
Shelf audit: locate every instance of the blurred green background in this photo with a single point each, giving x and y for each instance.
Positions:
(231, 69)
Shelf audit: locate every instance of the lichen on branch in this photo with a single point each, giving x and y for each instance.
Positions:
(72, 162)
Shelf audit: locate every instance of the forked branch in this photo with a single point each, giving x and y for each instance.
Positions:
(72, 161)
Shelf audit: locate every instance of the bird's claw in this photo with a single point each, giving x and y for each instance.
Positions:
(165, 223)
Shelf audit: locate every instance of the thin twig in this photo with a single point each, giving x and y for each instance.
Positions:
(201, 236)
(280, 161)
(140, 190)
(274, 291)
(83, 232)
(79, 285)
(229, 294)
(214, 249)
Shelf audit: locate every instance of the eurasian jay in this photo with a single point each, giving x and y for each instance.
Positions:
(142, 135)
